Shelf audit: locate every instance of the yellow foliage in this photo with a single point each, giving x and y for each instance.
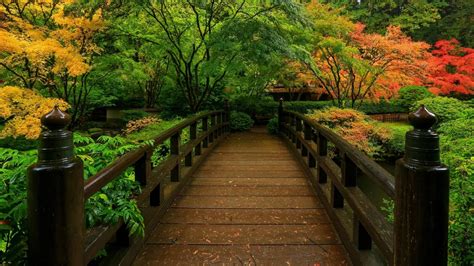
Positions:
(62, 46)
(22, 109)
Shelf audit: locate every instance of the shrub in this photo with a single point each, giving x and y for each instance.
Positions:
(305, 107)
(407, 96)
(272, 126)
(446, 109)
(18, 143)
(382, 107)
(129, 115)
(240, 121)
(254, 106)
(457, 150)
(355, 127)
(395, 147)
(137, 125)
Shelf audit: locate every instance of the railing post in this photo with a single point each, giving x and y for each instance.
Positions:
(227, 115)
(188, 161)
(174, 147)
(422, 197)
(56, 197)
(280, 116)
(213, 123)
(205, 142)
(143, 168)
(322, 149)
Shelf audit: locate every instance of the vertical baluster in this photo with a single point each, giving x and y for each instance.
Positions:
(322, 149)
(280, 116)
(188, 161)
(213, 123)
(361, 237)
(175, 142)
(337, 201)
(226, 115)
(143, 168)
(349, 171)
(307, 136)
(205, 142)
(299, 128)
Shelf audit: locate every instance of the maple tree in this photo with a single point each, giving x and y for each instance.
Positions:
(22, 109)
(47, 44)
(351, 64)
(452, 68)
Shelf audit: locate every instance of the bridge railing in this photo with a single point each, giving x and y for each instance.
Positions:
(334, 166)
(57, 191)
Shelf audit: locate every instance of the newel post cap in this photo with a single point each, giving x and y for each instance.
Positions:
(422, 143)
(56, 119)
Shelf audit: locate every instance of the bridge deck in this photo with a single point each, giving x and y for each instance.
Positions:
(249, 203)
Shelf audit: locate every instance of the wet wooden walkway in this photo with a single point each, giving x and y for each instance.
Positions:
(248, 204)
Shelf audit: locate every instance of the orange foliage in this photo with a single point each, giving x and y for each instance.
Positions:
(22, 109)
(137, 125)
(355, 127)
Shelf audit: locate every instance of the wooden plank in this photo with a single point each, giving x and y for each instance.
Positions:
(206, 202)
(262, 163)
(233, 166)
(249, 182)
(244, 173)
(243, 255)
(247, 191)
(321, 234)
(246, 216)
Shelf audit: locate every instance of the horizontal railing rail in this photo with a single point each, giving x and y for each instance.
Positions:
(160, 184)
(183, 158)
(335, 167)
(337, 184)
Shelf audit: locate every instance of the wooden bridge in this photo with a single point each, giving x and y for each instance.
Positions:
(244, 199)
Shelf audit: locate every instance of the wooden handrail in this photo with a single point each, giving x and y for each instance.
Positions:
(374, 171)
(336, 184)
(71, 192)
(115, 169)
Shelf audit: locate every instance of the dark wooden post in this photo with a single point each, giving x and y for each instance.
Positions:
(280, 116)
(188, 161)
(421, 202)
(227, 115)
(56, 197)
(174, 147)
(205, 142)
(143, 168)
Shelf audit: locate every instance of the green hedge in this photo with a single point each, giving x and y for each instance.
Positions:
(268, 107)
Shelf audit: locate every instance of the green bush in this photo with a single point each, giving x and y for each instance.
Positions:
(254, 106)
(446, 109)
(407, 96)
(129, 115)
(240, 121)
(272, 126)
(457, 152)
(305, 107)
(382, 107)
(395, 147)
(19, 143)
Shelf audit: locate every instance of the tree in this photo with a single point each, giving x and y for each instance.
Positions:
(50, 45)
(207, 41)
(354, 65)
(452, 68)
(22, 109)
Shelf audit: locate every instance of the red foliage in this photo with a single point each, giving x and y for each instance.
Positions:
(452, 68)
